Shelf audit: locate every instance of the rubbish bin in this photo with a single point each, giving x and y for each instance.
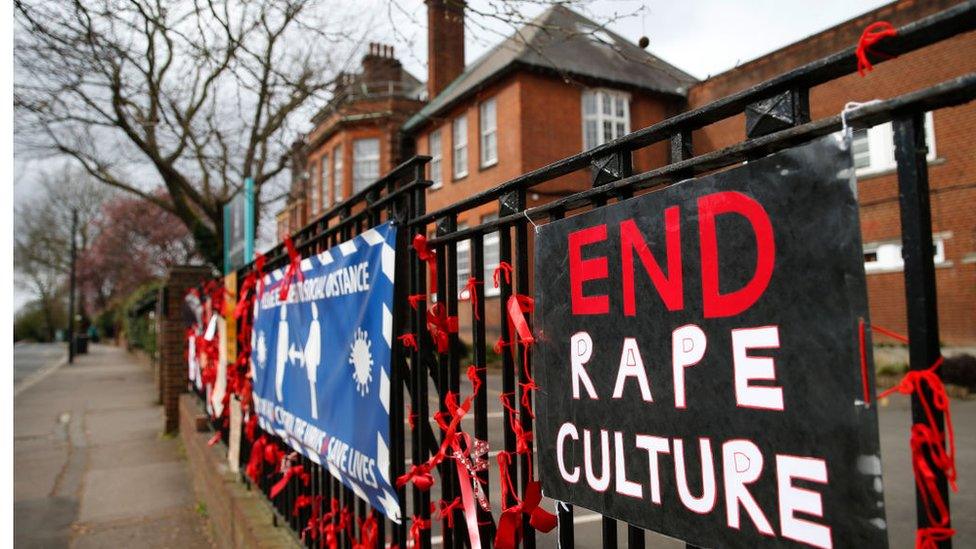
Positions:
(81, 344)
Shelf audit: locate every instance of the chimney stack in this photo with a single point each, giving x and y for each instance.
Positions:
(445, 44)
(379, 65)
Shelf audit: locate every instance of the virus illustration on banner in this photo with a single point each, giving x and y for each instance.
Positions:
(362, 361)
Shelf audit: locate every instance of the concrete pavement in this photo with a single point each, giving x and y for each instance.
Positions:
(91, 467)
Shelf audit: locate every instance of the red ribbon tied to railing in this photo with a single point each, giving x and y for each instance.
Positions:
(293, 471)
(259, 261)
(415, 299)
(294, 269)
(301, 502)
(444, 510)
(409, 341)
(929, 538)
(245, 298)
(368, 533)
(425, 253)
(503, 268)
(928, 444)
(255, 464)
(419, 524)
(419, 475)
(471, 286)
(873, 33)
(440, 326)
(510, 523)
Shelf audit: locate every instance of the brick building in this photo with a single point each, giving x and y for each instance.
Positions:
(355, 138)
(564, 84)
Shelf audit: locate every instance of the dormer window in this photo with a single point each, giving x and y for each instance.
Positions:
(606, 116)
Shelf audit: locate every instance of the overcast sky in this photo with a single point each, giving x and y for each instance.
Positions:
(701, 37)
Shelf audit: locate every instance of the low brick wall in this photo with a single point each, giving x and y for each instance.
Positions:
(238, 517)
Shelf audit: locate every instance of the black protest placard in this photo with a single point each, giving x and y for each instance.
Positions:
(700, 359)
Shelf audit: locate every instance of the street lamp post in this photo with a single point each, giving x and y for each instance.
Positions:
(71, 296)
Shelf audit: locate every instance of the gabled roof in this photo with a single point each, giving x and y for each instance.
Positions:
(563, 40)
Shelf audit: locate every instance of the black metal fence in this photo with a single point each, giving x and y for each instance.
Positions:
(423, 372)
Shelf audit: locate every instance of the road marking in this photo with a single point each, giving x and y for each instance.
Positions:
(36, 377)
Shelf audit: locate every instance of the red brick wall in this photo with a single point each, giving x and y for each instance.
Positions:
(445, 43)
(539, 119)
(172, 378)
(952, 175)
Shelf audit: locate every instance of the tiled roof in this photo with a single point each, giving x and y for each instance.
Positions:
(565, 41)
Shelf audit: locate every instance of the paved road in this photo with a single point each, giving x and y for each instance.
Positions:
(31, 358)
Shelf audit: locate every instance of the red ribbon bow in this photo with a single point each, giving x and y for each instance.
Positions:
(259, 261)
(255, 464)
(419, 475)
(503, 268)
(293, 471)
(518, 306)
(472, 288)
(294, 269)
(245, 299)
(929, 538)
(444, 510)
(409, 341)
(523, 438)
(424, 253)
(251, 426)
(302, 502)
(441, 326)
(419, 524)
(510, 523)
(368, 533)
(415, 299)
(873, 33)
(928, 444)
(214, 439)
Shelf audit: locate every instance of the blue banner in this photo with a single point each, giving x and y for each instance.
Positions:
(321, 362)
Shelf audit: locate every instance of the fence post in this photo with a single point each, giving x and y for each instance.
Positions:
(172, 339)
(920, 297)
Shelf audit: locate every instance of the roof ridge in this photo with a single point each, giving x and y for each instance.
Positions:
(564, 40)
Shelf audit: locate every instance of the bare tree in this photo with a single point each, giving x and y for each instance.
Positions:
(192, 95)
(42, 238)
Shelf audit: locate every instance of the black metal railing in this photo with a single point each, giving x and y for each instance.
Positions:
(400, 196)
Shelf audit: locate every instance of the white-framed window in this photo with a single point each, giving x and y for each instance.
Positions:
(337, 174)
(874, 149)
(885, 256)
(488, 124)
(606, 116)
(326, 181)
(492, 255)
(317, 188)
(436, 159)
(365, 163)
(463, 263)
(459, 136)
